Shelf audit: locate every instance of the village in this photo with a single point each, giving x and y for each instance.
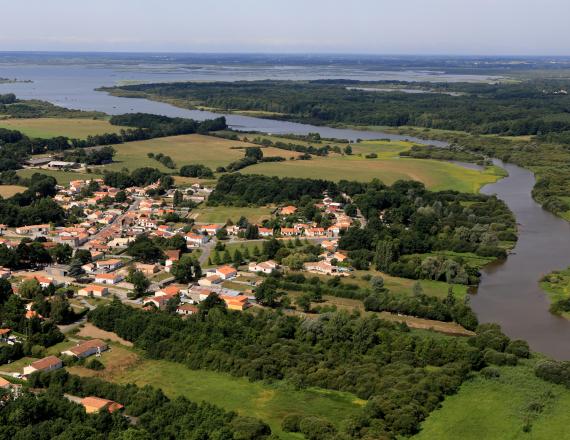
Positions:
(99, 264)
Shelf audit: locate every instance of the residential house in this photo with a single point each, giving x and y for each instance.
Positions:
(265, 267)
(226, 272)
(233, 230)
(187, 309)
(289, 232)
(109, 265)
(210, 229)
(147, 269)
(86, 349)
(315, 232)
(44, 365)
(159, 302)
(240, 302)
(288, 210)
(209, 281)
(33, 230)
(196, 240)
(320, 267)
(172, 256)
(93, 290)
(94, 405)
(265, 232)
(5, 334)
(108, 278)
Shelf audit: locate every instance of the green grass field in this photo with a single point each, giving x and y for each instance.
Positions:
(220, 214)
(497, 409)
(51, 127)
(7, 191)
(388, 167)
(62, 177)
(270, 403)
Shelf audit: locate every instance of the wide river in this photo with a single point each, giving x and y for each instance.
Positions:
(509, 293)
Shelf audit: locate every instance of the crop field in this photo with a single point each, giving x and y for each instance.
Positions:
(51, 127)
(186, 149)
(7, 191)
(498, 409)
(388, 167)
(62, 177)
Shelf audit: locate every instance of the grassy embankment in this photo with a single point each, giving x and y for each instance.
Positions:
(557, 287)
(7, 191)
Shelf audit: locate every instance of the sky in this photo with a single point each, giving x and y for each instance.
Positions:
(470, 27)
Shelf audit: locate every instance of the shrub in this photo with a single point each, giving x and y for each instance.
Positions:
(519, 348)
(95, 364)
(490, 373)
(554, 371)
(291, 423)
(497, 358)
(315, 428)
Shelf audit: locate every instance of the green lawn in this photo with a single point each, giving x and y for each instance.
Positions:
(62, 177)
(51, 127)
(270, 403)
(496, 409)
(220, 214)
(388, 167)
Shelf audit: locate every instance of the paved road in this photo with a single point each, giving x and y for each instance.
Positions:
(133, 207)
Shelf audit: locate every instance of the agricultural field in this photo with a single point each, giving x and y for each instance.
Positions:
(62, 177)
(220, 214)
(499, 409)
(269, 402)
(388, 167)
(7, 191)
(52, 127)
(210, 151)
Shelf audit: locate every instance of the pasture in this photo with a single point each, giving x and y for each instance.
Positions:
(387, 167)
(7, 191)
(220, 214)
(52, 127)
(210, 151)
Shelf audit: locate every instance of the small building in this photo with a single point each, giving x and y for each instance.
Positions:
(240, 302)
(5, 334)
(108, 278)
(226, 272)
(4, 384)
(321, 267)
(109, 265)
(44, 365)
(38, 161)
(60, 165)
(94, 405)
(86, 349)
(265, 267)
(196, 240)
(187, 309)
(210, 281)
(288, 210)
(147, 269)
(265, 232)
(172, 256)
(159, 302)
(33, 230)
(210, 229)
(57, 270)
(93, 290)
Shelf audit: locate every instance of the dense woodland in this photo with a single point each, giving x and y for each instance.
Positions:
(530, 107)
(379, 361)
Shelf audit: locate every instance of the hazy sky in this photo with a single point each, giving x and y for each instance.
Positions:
(361, 26)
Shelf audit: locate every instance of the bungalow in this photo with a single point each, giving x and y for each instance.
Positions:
(43, 281)
(89, 267)
(86, 349)
(288, 210)
(108, 278)
(210, 281)
(240, 302)
(33, 230)
(94, 405)
(147, 269)
(233, 230)
(265, 232)
(315, 232)
(320, 267)
(210, 229)
(187, 309)
(93, 290)
(289, 232)
(109, 265)
(44, 365)
(172, 289)
(266, 267)
(226, 272)
(196, 240)
(60, 165)
(159, 301)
